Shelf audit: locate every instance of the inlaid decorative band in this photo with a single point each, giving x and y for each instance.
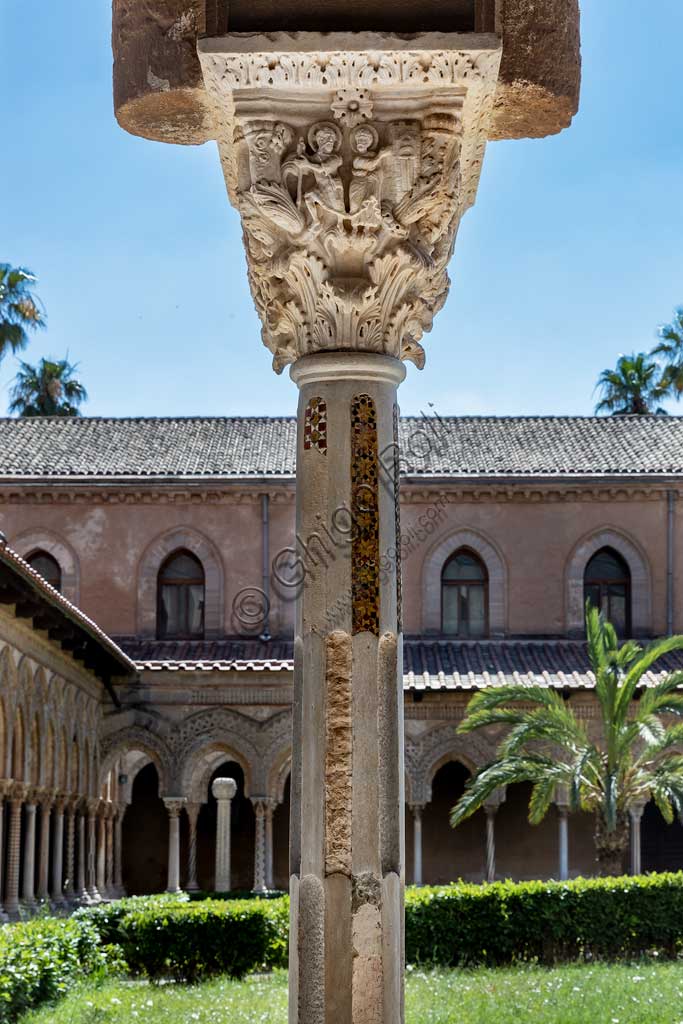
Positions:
(397, 514)
(365, 511)
(315, 425)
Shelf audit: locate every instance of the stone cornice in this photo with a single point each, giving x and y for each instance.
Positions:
(415, 491)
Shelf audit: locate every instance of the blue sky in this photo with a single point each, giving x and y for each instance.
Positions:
(572, 255)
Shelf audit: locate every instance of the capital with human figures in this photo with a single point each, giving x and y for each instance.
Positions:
(351, 171)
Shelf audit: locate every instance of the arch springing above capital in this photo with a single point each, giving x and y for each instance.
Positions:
(351, 171)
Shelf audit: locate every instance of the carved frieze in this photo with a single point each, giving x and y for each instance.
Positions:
(351, 171)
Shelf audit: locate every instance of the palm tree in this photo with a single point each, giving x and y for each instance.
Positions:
(632, 388)
(49, 389)
(20, 310)
(670, 350)
(634, 758)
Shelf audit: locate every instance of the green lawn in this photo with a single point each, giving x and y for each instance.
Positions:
(640, 994)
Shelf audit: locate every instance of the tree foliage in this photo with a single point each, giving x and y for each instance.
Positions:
(635, 757)
(670, 352)
(635, 387)
(20, 310)
(48, 389)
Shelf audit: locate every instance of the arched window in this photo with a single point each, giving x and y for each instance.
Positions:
(464, 596)
(180, 603)
(47, 566)
(607, 585)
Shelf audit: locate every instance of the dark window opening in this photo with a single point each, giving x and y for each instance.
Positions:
(607, 585)
(48, 567)
(180, 602)
(464, 596)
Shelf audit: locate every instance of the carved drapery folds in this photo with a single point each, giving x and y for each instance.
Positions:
(351, 171)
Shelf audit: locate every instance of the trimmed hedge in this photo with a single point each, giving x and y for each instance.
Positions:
(449, 926)
(42, 959)
(549, 922)
(194, 940)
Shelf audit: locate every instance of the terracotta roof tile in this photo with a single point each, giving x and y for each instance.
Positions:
(459, 447)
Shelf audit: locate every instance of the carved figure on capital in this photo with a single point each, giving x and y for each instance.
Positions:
(349, 227)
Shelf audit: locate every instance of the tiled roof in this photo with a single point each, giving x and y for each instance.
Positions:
(429, 665)
(22, 582)
(465, 447)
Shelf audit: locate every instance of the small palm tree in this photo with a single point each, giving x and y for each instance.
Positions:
(633, 388)
(670, 350)
(635, 757)
(20, 310)
(49, 389)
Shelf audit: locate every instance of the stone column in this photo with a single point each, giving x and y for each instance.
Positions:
(270, 806)
(563, 827)
(91, 862)
(101, 851)
(57, 893)
(109, 851)
(192, 810)
(118, 850)
(224, 790)
(70, 886)
(4, 787)
(16, 798)
(260, 845)
(636, 814)
(46, 802)
(81, 886)
(490, 811)
(417, 810)
(174, 806)
(29, 859)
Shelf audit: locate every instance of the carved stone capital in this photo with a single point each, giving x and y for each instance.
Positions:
(351, 169)
(174, 805)
(224, 789)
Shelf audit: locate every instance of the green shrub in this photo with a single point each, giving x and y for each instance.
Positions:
(107, 917)
(44, 958)
(601, 918)
(195, 940)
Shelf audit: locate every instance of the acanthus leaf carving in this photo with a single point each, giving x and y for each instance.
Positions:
(349, 212)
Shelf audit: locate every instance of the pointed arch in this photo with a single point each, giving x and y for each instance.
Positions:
(641, 579)
(31, 541)
(191, 540)
(18, 746)
(496, 569)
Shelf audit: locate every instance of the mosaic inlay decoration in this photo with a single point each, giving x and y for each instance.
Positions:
(365, 509)
(315, 425)
(397, 509)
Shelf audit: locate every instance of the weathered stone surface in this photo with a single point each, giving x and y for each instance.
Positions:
(338, 755)
(158, 88)
(540, 74)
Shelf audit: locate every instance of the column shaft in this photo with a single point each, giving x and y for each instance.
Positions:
(118, 851)
(109, 873)
(174, 806)
(91, 862)
(29, 865)
(270, 810)
(101, 853)
(3, 915)
(81, 889)
(491, 843)
(563, 825)
(192, 816)
(58, 855)
(347, 832)
(44, 850)
(417, 843)
(636, 847)
(13, 858)
(260, 847)
(70, 888)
